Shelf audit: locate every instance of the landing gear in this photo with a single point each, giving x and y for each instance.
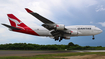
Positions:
(56, 38)
(93, 37)
(60, 39)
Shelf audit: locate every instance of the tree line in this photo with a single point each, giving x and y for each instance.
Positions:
(29, 46)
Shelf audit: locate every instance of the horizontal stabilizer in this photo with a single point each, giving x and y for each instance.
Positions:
(11, 27)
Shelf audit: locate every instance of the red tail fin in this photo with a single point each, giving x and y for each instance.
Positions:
(15, 22)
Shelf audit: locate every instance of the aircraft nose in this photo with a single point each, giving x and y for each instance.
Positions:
(100, 31)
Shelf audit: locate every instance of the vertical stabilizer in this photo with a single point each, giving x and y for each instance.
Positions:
(15, 22)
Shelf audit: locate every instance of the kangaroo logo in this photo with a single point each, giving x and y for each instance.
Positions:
(16, 22)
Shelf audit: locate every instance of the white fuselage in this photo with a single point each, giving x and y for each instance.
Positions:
(77, 30)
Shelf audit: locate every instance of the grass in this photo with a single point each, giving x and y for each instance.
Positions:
(52, 56)
(74, 54)
(32, 57)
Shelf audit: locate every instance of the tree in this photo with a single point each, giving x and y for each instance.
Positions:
(71, 44)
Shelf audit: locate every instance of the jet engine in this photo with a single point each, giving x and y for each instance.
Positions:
(54, 26)
(59, 27)
(74, 32)
(67, 37)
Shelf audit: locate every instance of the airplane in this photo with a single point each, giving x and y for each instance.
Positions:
(51, 29)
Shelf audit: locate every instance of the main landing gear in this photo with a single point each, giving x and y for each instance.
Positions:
(58, 38)
(93, 37)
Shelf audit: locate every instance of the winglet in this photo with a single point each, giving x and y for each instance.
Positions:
(28, 10)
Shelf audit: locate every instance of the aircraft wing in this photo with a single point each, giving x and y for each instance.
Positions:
(47, 23)
(41, 18)
(58, 29)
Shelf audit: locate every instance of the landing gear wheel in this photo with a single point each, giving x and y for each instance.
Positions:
(60, 39)
(93, 37)
(56, 38)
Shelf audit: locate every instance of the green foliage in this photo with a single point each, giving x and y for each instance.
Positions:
(32, 57)
(29, 46)
(71, 44)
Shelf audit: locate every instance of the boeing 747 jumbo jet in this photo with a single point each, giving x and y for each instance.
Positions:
(51, 29)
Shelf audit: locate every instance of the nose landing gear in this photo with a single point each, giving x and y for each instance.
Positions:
(57, 38)
(93, 37)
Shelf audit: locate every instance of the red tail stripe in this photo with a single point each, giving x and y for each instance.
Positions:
(15, 22)
(13, 17)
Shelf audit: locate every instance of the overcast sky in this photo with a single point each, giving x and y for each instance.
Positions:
(68, 12)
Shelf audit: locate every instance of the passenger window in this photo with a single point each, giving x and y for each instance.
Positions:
(83, 28)
(37, 29)
(78, 28)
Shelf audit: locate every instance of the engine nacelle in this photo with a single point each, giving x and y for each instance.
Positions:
(74, 32)
(67, 37)
(60, 27)
(54, 26)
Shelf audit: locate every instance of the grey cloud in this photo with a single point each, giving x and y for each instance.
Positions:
(100, 8)
(102, 23)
